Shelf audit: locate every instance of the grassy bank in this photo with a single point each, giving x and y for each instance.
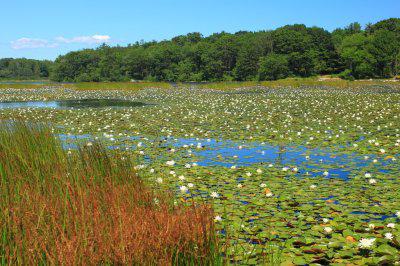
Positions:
(89, 207)
(134, 86)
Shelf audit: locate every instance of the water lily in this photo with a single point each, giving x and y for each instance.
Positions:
(159, 180)
(214, 195)
(389, 236)
(269, 194)
(372, 226)
(217, 218)
(183, 189)
(313, 186)
(328, 230)
(170, 163)
(372, 181)
(391, 225)
(190, 185)
(366, 243)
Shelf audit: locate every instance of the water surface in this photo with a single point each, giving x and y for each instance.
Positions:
(82, 103)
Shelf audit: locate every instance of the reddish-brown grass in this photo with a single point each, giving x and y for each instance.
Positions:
(91, 208)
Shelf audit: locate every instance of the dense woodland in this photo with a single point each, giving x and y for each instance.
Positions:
(22, 68)
(352, 52)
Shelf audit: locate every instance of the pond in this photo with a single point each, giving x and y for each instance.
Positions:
(38, 82)
(82, 103)
(300, 159)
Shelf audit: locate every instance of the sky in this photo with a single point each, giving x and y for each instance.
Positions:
(45, 29)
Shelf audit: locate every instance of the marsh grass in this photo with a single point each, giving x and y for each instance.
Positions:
(132, 86)
(90, 207)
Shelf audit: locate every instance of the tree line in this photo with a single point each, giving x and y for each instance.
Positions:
(22, 68)
(352, 52)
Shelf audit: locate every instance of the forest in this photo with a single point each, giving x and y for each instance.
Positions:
(22, 68)
(353, 52)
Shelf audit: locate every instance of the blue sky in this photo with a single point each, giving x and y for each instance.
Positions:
(47, 28)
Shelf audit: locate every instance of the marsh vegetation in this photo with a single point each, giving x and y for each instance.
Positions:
(287, 172)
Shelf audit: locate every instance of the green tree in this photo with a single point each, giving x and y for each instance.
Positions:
(355, 52)
(273, 67)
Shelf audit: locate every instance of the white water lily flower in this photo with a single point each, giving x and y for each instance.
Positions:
(188, 165)
(217, 218)
(398, 214)
(263, 185)
(269, 194)
(270, 165)
(259, 171)
(239, 185)
(152, 170)
(214, 195)
(382, 150)
(366, 243)
(389, 236)
(328, 230)
(325, 220)
(372, 181)
(159, 180)
(233, 167)
(313, 186)
(170, 163)
(190, 185)
(391, 225)
(372, 226)
(368, 175)
(248, 174)
(285, 169)
(183, 189)
(181, 177)
(326, 173)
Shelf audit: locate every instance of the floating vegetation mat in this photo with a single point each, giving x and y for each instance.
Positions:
(295, 175)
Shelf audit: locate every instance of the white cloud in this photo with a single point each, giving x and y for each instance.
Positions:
(31, 43)
(85, 39)
(24, 43)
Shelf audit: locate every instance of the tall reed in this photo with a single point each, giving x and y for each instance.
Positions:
(90, 207)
